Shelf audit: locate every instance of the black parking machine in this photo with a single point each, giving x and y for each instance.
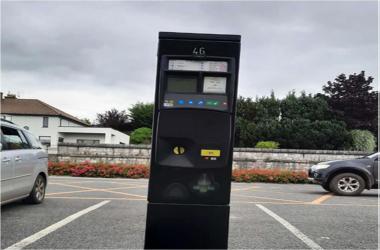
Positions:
(192, 145)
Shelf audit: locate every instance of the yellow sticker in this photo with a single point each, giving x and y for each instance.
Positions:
(210, 152)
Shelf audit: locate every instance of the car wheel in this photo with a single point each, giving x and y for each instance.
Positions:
(37, 194)
(347, 184)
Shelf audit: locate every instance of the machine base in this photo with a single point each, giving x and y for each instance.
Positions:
(174, 226)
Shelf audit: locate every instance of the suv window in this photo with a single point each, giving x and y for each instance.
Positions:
(13, 139)
(34, 143)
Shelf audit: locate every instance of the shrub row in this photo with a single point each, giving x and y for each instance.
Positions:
(269, 175)
(89, 169)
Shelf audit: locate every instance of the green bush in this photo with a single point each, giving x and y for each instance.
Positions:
(267, 144)
(141, 136)
(363, 140)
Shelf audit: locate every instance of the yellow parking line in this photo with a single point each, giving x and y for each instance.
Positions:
(267, 198)
(68, 185)
(322, 199)
(75, 182)
(121, 183)
(94, 190)
(244, 189)
(135, 195)
(71, 192)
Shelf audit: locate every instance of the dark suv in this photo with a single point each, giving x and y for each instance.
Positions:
(347, 177)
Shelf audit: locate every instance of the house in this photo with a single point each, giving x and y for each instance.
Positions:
(52, 125)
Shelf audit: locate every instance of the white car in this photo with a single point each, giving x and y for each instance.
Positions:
(24, 171)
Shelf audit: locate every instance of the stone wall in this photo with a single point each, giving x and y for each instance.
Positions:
(243, 157)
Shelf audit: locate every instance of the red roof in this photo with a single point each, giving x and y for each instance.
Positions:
(15, 106)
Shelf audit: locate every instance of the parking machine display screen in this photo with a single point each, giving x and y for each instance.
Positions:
(176, 84)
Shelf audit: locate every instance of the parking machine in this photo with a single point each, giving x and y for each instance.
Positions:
(192, 142)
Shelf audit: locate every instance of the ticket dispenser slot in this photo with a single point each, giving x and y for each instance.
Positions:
(192, 145)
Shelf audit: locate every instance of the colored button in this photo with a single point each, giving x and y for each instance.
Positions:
(190, 102)
(200, 102)
(209, 103)
(181, 102)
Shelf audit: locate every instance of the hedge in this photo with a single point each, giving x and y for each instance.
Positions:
(107, 170)
(269, 175)
(89, 169)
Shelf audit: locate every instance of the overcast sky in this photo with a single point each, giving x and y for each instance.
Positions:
(88, 57)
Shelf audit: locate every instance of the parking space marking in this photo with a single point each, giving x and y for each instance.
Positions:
(69, 192)
(322, 199)
(68, 185)
(94, 198)
(267, 198)
(98, 179)
(310, 243)
(307, 203)
(244, 189)
(29, 240)
(135, 195)
(96, 189)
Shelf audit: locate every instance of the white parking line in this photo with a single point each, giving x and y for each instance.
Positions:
(29, 240)
(291, 228)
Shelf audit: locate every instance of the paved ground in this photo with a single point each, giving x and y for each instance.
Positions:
(264, 216)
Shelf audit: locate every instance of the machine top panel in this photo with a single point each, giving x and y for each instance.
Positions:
(192, 36)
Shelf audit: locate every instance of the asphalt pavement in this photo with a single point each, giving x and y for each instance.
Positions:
(99, 213)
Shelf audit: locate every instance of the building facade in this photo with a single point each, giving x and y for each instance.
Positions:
(52, 125)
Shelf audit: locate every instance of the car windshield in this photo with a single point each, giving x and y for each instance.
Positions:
(372, 155)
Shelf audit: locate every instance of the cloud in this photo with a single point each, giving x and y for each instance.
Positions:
(87, 57)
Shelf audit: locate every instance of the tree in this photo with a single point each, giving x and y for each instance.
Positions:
(353, 101)
(141, 136)
(306, 134)
(86, 120)
(263, 108)
(267, 108)
(246, 108)
(305, 107)
(114, 119)
(141, 115)
(294, 122)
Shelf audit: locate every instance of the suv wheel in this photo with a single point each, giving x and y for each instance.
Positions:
(37, 194)
(347, 184)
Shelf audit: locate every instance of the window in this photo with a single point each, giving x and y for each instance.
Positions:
(34, 143)
(45, 122)
(45, 140)
(13, 139)
(84, 141)
(60, 139)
